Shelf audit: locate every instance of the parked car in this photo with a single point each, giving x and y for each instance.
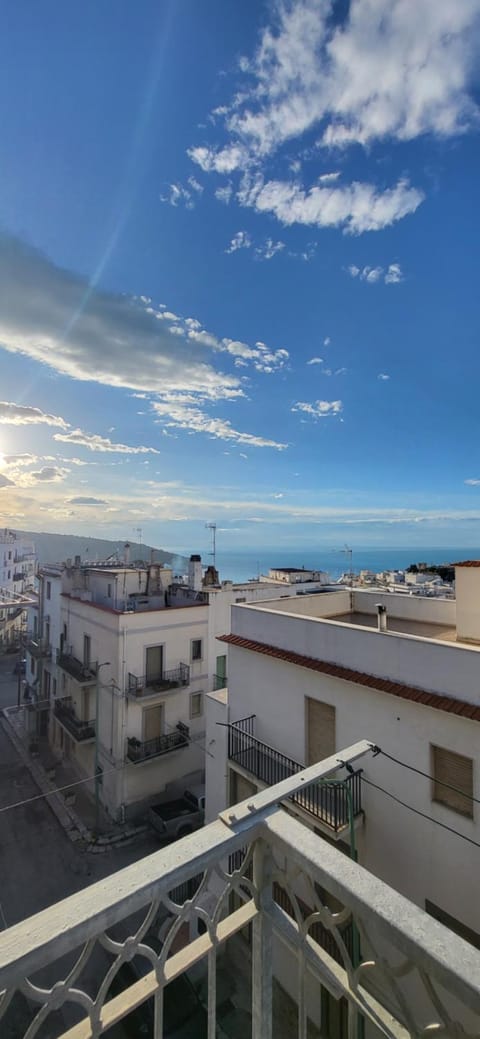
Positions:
(184, 1017)
(20, 667)
(174, 819)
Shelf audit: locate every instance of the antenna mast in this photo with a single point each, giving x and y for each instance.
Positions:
(213, 553)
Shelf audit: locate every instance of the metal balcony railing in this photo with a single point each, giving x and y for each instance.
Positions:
(65, 713)
(330, 803)
(219, 682)
(408, 976)
(146, 685)
(138, 751)
(39, 648)
(84, 674)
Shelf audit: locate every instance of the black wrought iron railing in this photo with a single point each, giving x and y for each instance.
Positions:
(65, 712)
(330, 802)
(84, 674)
(142, 751)
(39, 647)
(145, 685)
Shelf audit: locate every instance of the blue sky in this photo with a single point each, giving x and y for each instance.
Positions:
(239, 271)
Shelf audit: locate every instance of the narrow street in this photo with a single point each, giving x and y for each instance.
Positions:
(39, 865)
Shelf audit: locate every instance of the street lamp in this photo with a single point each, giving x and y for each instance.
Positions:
(106, 663)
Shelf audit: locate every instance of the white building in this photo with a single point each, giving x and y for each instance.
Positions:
(312, 675)
(17, 576)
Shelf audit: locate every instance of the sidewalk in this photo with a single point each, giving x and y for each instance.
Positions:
(73, 807)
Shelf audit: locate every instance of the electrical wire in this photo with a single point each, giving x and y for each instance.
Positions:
(438, 782)
(418, 812)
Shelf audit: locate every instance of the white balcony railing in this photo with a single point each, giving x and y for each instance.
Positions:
(405, 973)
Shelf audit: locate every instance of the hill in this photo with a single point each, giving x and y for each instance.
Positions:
(55, 548)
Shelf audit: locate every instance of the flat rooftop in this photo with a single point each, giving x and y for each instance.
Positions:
(401, 625)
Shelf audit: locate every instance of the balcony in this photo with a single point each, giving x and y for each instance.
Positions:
(335, 803)
(84, 674)
(161, 683)
(138, 751)
(408, 975)
(39, 648)
(65, 713)
(219, 682)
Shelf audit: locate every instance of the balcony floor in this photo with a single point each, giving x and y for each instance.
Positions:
(399, 625)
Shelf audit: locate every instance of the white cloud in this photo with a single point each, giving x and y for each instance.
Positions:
(94, 442)
(57, 319)
(473, 482)
(315, 360)
(383, 377)
(240, 240)
(356, 207)
(177, 194)
(5, 481)
(319, 408)
(20, 415)
(181, 415)
(386, 70)
(269, 249)
(327, 341)
(224, 194)
(393, 274)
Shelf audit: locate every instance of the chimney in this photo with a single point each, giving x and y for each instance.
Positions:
(195, 573)
(381, 616)
(467, 588)
(126, 553)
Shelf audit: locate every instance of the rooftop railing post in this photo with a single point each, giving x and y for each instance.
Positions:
(262, 944)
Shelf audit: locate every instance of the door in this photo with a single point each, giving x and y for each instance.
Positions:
(221, 672)
(154, 664)
(152, 723)
(320, 721)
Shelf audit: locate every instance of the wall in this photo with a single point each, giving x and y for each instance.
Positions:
(467, 587)
(216, 770)
(409, 659)
(417, 857)
(408, 607)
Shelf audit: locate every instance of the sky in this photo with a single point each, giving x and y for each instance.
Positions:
(239, 271)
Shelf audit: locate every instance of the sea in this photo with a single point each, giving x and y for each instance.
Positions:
(244, 564)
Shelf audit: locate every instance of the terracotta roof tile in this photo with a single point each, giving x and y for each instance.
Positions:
(439, 701)
(468, 562)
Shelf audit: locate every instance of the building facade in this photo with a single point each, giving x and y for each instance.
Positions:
(310, 675)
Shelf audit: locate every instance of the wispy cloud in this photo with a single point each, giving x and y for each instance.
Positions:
(94, 442)
(268, 249)
(240, 240)
(21, 415)
(224, 194)
(85, 501)
(383, 377)
(181, 414)
(391, 275)
(385, 71)
(177, 194)
(319, 408)
(315, 360)
(48, 474)
(472, 482)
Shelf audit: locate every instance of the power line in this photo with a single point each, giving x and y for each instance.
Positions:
(438, 782)
(418, 812)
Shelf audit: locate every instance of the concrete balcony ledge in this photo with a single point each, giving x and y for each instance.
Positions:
(84, 674)
(402, 971)
(80, 730)
(39, 648)
(148, 685)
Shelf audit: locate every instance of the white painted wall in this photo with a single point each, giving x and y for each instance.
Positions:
(467, 588)
(437, 666)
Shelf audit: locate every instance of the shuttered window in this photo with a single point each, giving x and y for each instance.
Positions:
(320, 721)
(456, 772)
(152, 723)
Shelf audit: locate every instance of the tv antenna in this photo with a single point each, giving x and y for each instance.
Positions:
(213, 553)
(347, 551)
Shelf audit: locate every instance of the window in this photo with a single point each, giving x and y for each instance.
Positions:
(49, 589)
(86, 650)
(109, 591)
(455, 925)
(452, 782)
(320, 725)
(196, 649)
(196, 705)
